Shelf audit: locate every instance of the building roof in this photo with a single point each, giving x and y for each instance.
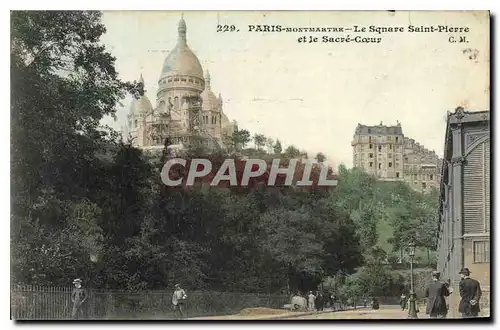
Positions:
(208, 97)
(379, 130)
(141, 105)
(462, 117)
(181, 60)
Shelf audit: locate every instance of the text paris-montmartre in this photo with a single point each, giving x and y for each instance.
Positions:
(413, 29)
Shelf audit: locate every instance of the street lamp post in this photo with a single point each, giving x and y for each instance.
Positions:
(412, 310)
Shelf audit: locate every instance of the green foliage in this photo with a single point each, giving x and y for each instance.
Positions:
(356, 196)
(320, 157)
(260, 140)
(85, 205)
(241, 137)
(270, 145)
(63, 83)
(374, 279)
(83, 221)
(292, 152)
(277, 147)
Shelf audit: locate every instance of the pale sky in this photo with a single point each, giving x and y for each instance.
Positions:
(314, 95)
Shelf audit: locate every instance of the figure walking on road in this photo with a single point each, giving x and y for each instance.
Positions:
(310, 301)
(435, 293)
(78, 297)
(402, 301)
(470, 292)
(178, 299)
(319, 301)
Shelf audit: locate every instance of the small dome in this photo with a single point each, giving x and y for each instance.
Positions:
(143, 105)
(225, 121)
(210, 102)
(181, 60)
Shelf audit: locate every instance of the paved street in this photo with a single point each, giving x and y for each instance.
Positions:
(385, 312)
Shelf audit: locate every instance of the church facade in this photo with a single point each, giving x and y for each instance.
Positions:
(186, 111)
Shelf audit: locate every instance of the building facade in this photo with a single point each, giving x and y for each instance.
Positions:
(186, 111)
(464, 212)
(386, 153)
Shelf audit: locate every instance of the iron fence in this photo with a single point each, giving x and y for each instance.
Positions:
(30, 302)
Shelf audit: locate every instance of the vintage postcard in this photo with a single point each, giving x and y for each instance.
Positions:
(277, 165)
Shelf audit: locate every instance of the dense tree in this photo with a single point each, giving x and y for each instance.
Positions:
(260, 140)
(292, 152)
(241, 138)
(277, 148)
(63, 83)
(86, 205)
(320, 157)
(270, 145)
(357, 198)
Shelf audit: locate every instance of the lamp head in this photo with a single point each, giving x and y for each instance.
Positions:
(411, 251)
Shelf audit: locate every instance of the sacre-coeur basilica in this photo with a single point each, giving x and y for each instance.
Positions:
(187, 110)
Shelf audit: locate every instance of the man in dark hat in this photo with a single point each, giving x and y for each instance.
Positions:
(470, 292)
(319, 302)
(78, 297)
(435, 293)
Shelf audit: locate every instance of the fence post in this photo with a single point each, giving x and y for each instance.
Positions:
(93, 297)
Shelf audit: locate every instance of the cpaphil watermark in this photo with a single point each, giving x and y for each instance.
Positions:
(233, 172)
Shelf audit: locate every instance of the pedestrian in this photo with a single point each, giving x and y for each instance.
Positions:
(78, 297)
(178, 298)
(319, 301)
(402, 301)
(365, 302)
(450, 290)
(470, 292)
(375, 303)
(311, 300)
(435, 293)
(332, 301)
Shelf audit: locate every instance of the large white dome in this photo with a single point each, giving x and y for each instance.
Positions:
(181, 60)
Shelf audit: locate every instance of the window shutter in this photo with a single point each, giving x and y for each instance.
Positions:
(474, 191)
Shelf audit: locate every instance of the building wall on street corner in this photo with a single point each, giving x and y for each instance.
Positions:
(464, 219)
(477, 259)
(480, 269)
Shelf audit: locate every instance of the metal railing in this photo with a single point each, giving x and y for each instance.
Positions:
(31, 302)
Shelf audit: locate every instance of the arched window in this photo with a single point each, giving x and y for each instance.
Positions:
(162, 106)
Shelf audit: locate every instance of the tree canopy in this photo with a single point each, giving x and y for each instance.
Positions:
(86, 205)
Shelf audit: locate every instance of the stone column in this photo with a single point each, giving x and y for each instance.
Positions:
(449, 220)
(457, 162)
